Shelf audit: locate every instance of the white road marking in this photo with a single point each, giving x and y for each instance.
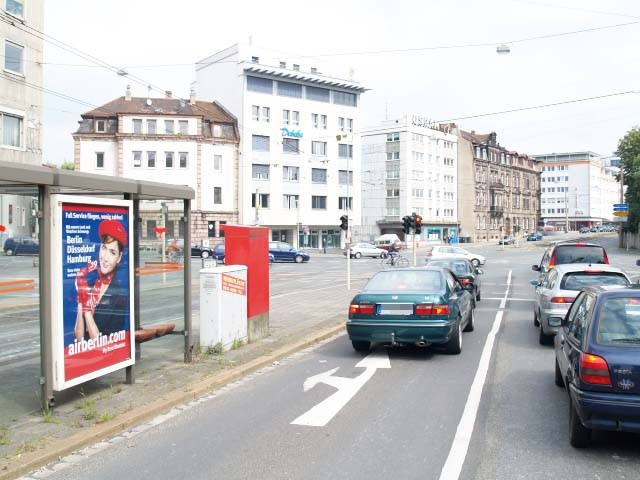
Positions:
(510, 299)
(455, 460)
(323, 412)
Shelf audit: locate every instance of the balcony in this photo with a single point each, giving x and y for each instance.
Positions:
(496, 186)
(495, 210)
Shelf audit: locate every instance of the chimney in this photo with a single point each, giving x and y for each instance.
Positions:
(168, 94)
(192, 97)
(127, 95)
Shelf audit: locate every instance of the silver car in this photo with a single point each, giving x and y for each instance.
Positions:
(556, 291)
(366, 250)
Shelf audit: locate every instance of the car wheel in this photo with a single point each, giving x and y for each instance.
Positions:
(543, 338)
(454, 345)
(8, 252)
(384, 255)
(357, 255)
(559, 380)
(298, 258)
(579, 435)
(359, 346)
(472, 320)
(204, 254)
(475, 262)
(536, 322)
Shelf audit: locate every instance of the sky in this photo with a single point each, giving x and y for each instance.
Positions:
(158, 41)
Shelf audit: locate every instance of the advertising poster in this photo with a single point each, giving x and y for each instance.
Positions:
(93, 308)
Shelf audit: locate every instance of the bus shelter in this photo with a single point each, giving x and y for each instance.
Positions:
(47, 219)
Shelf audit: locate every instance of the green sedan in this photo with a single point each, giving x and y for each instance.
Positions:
(420, 306)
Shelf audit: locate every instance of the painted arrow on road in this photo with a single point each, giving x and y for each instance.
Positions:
(323, 412)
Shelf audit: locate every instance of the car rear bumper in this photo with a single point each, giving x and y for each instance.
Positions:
(607, 411)
(435, 332)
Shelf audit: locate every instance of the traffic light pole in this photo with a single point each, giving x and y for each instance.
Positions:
(415, 254)
(348, 252)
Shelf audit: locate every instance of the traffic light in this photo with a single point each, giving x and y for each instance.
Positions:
(344, 222)
(417, 224)
(407, 224)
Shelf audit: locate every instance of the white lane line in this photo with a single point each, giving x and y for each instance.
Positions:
(455, 460)
(510, 299)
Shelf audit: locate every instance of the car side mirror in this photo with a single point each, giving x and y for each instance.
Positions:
(535, 268)
(535, 283)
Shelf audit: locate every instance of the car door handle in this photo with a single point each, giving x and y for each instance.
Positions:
(562, 342)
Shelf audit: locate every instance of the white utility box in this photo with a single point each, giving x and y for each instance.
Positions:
(223, 306)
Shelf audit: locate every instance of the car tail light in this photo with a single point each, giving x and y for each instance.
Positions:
(429, 254)
(552, 260)
(430, 309)
(464, 281)
(594, 369)
(562, 299)
(362, 309)
(606, 259)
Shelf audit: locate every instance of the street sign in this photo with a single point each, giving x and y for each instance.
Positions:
(621, 214)
(620, 209)
(621, 205)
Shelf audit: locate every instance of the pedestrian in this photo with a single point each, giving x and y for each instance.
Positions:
(102, 306)
(324, 245)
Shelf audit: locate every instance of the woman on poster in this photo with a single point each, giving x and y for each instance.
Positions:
(102, 306)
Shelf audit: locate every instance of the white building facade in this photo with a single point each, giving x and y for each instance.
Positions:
(578, 189)
(299, 168)
(409, 165)
(167, 140)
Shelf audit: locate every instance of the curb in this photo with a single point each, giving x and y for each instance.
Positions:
(63, 447)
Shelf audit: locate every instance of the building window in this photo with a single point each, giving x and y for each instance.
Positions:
(318, 202)
(261, 85)
(217, 163)
(290, 145)
(13, 54)
(290, 201)
(217, 195)
(319, 148)
(295, 118)
(255, 60)
(266, 114)
(168, 159)
(323, 122)
(260, 172)
(137, 126)
(283, 64)
(137, 159)
(350, 124)
(393, 137)
(285, 117)
(15, 7)
(318, 175)
(290, 174)
(151, 225)
(99, 159)
(168, 127)
(345, 203)
(263, 200)
(184, 127)
(11, 126)
(344, 98)
(341, 124)
(101, 126)
(345, 151)
(184, 159)
(345, 177)
(314, 120)
(318, 94)
(296, 67)
(151, 159)
(393, 155)
(152, 127)
(288, 89)
(260, 143)
(255, 113)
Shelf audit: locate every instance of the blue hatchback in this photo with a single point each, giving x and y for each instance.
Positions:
(598, 361)
(284, 252)
(21, 246)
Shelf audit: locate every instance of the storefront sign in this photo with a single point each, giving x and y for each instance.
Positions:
(93, 294)
(291, 133)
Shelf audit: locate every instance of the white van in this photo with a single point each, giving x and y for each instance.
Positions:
(386, 240)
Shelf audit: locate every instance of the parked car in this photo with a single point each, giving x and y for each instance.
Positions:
(218, 253)
(570, 252)
(386, 240)
(284, 252)
(556, 292)
(584, 230)
(598, 361)
(457, 252)
(21, 246)
(177, 244)
(366, 250)
(507, 240)
(411, 306)
(463, 269)
(534, 237)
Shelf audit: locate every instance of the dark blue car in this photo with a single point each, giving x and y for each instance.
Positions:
(598, 361)
(21, 246)
(218, 253)
(284, 252)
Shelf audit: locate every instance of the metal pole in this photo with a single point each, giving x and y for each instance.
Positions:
(415, 255)
(566, 211)
(348, 243)
(622, 229)
(46, 330)
(187, 281)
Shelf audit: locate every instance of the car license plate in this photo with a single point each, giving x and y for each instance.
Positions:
(395, 308)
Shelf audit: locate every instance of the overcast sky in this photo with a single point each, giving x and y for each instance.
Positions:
(159, 40)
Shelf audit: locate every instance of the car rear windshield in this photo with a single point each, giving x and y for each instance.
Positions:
(403, 281)
(456, 266)
(579, 254)
(619, 322)
(579, 280)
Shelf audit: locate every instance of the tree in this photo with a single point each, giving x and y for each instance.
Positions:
(629, 153)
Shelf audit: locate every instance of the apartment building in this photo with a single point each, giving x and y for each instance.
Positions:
(299, 169)
(20, 108)
(578, 189)
(409, 165)
(184, 142)
(500, 188)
